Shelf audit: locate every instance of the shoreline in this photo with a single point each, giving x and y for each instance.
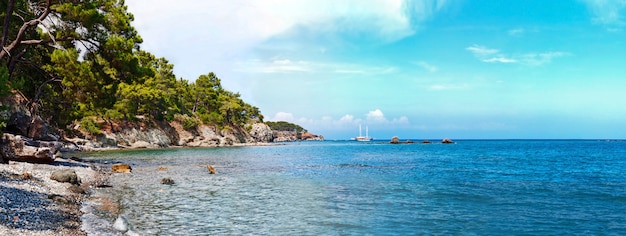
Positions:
(33, 204)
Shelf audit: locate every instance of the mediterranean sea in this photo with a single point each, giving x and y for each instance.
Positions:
(473, 187)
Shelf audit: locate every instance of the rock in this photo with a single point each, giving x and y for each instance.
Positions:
(58, 198)
(121, 224)
(140, 144)
(65, 176)
(27, 176)
(311, 137)
(426, 141)
(20, 148)
(211, 169)
(409, 141)
(446, 141)
(39, 130)
(394, 140)
(167, 181)
(121, 168)
(261, 132)
(76, 189)
(18, 123)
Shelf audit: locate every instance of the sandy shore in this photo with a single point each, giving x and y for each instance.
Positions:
(33, 204)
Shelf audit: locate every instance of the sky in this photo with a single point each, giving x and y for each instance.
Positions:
(429, 69)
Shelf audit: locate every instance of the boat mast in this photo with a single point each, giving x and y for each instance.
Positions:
(366, 131)
(360, 131)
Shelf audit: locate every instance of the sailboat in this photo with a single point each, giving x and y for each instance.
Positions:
(362, 138)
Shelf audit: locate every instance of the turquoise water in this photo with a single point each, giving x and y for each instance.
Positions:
(509, 187)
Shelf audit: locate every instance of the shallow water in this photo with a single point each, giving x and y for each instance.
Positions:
(350, 188)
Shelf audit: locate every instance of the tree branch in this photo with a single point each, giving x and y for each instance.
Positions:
(22, 31)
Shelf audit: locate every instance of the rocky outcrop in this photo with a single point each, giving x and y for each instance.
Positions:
(290, 136)
(394, 140)
(447, 141)
(261, 132)
(20, 148)
(306, 136)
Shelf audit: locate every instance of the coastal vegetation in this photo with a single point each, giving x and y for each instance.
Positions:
(285, 126)
(81, 61)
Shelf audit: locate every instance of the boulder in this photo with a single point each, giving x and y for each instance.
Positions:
(20, 148)
(39, 130)
(394, 140)
(426, 141)
(447, 141)
(121, 168)
(261, 132)
(65, 176)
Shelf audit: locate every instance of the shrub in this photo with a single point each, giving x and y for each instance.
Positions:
(186, 121)
(89, 125)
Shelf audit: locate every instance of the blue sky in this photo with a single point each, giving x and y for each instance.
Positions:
(416, 69)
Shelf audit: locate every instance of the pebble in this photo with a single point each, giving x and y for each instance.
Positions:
(34, 204)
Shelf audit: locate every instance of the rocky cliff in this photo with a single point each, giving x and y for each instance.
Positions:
(163, 134)
(27, 137)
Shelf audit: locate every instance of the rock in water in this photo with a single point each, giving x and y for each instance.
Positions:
(211, 169)
(65, 176)
(446, 141)
(167, 181)
(395, 140)
(121, 224)
(121, 168)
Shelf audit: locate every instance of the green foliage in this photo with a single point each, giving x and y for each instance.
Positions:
(108, 76)
(186, 121)
(284, 126)
(88, 125)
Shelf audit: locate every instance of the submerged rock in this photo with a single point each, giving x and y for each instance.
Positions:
(167, 181)
(121, 168)
(211, 169)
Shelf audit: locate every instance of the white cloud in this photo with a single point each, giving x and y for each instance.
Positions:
(607, 12)
(517, 32)
(283, 116)
(541, 58)
(346, 122)
(489, 55)
(499, 59)
(376, 116)
(197, 35)
(346, 119)
(481, 50)
(426, 66)
(290, 66)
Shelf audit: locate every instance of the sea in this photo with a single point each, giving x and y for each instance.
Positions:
(471, 187)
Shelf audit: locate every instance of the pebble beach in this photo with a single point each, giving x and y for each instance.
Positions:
(33, 204)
